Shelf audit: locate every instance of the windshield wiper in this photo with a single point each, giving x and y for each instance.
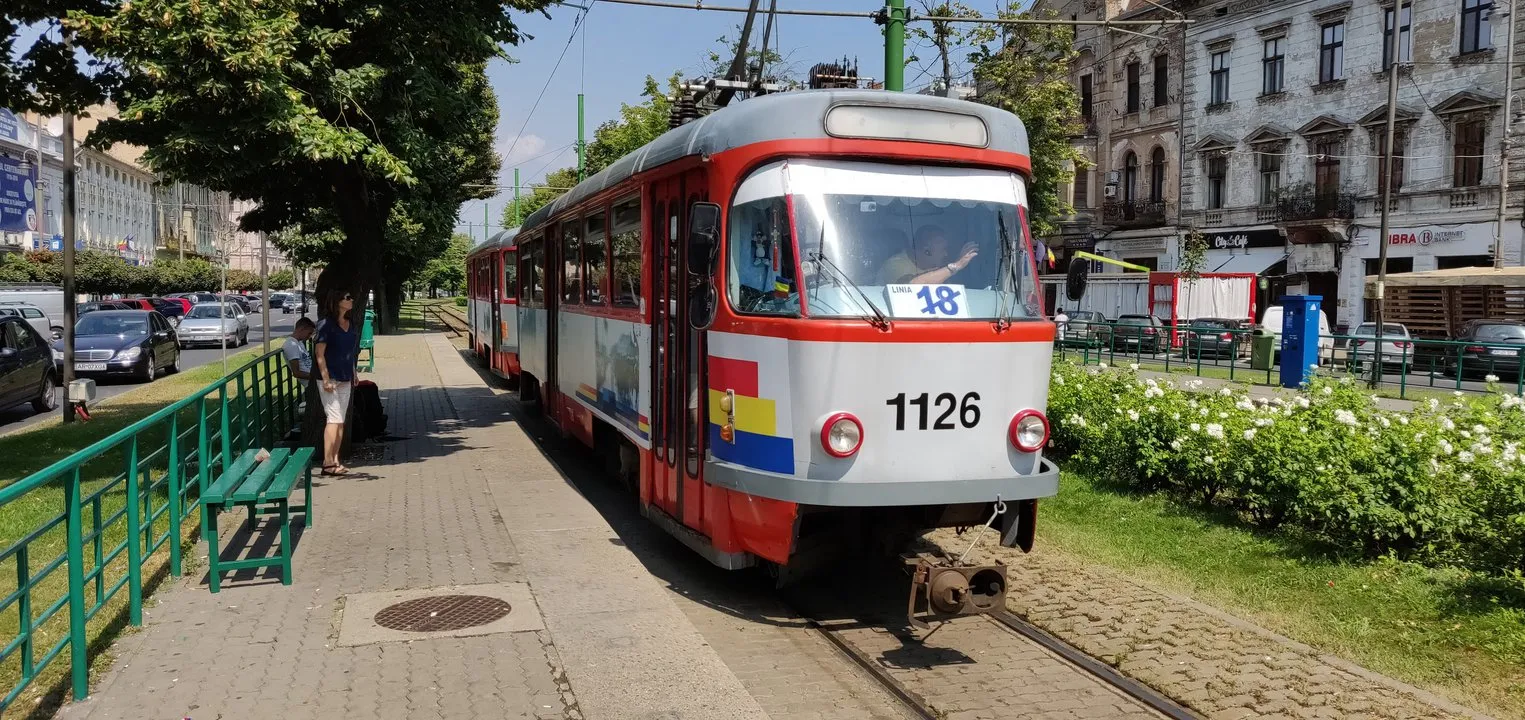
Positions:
(1008, 261)
(878, 320)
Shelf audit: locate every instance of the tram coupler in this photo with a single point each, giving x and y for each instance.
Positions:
(942, 589)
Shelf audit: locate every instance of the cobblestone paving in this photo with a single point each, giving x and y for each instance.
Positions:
(260, 649)
(1218, 665)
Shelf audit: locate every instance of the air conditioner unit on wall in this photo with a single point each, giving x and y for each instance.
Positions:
(1109, 191)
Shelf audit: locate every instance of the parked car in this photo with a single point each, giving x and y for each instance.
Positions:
(171, 308)
(278, 301)
(137, 303)
(1496, 350)
(1143, 333)
(139, 343)
(46, 297)
(33, 315)
(239, 300)
(26, 375)
(1216, 337)
(205, 324)
(89, 307)
(1086, 328)
(295, 303)
(1397, 345)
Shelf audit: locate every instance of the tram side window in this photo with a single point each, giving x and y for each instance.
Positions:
(537, 274)
(571, 263)
(510, 275)
(526, 251)
(625, 236)
(596, 255)
(762, 268)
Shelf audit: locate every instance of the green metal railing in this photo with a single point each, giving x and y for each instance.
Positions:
(119, 503)
(1226, 353)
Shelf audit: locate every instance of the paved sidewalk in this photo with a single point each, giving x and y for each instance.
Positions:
(464, 500)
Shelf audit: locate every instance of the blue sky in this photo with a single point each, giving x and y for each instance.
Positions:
(626, 43)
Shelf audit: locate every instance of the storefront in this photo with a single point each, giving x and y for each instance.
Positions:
(1260, 250)
(1412, 249)
(1154, 251)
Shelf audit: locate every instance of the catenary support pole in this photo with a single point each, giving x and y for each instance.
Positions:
(1504, 143)
(894, 45)
(582, 147)
(517, 221)
(70, 179)
(1393, 70)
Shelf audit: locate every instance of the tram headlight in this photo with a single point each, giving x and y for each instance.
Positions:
(841, 435)
(1029, 431)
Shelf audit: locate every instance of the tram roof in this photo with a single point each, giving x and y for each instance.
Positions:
(784, 116)
(500, 239)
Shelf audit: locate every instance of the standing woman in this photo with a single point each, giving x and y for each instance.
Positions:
(337, 340)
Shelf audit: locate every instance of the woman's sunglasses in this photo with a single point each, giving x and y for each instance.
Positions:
(348, 296)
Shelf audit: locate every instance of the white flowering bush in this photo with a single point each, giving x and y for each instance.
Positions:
(1444, 482)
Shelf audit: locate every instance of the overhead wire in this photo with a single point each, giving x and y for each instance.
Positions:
(576, 27)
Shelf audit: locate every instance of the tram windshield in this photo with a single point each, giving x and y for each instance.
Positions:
(861, 239)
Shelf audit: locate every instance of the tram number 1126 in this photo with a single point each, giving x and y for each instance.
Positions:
(968, 410)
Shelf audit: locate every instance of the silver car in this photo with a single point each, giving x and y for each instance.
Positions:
(1397, 346)
(206, 325)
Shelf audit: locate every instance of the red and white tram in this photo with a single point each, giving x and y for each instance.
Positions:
(804, 320)
(492, 304)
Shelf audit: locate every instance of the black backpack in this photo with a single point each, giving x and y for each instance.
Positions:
(370, 420)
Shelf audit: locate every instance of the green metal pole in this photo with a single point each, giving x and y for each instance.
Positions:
(582, 147)
(484, 220)
(894, 45)
(79, 644)
(517, 222)
(175, 509)
(134, 539)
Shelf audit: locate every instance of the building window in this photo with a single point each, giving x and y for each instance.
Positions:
(1405, 37)
(1130, 178)
(1272, 66)
(1161, 81)
(1083, 187)
(1467, 153)
(1476, 31)
(1219, 79)
(1133, 93)
(1270, 177)
(1383, 176)
(1087, 99)
(1157, 175)
(1331, 55)
(1217, 180)
(1326, 166)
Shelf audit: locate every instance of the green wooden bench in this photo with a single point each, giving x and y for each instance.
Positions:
(265, 489)
(368, 341)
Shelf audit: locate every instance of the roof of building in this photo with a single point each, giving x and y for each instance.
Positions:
(784, 116)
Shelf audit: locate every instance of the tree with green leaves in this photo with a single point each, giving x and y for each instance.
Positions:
(364, 117)
(948, 39)
(448, 271)
(283, 279)
(1028, 74)
(45, 76)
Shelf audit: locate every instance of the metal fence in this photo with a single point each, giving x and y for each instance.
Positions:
(108, 513)
(1407, 364)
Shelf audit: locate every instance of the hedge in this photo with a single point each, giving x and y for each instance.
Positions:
(1443, 483)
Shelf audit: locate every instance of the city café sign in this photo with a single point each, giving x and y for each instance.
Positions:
(1241, 239)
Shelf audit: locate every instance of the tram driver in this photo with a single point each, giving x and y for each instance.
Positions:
(927, 261)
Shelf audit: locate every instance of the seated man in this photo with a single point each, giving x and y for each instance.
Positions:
(295, 349)
(927, 260)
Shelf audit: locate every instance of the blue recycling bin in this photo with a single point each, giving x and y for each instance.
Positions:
(1299, 338)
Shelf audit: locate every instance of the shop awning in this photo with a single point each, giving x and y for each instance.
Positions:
(1512, 277)
(1249, 262)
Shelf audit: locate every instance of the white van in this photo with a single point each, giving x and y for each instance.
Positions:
(1271, 323)
(47, 298)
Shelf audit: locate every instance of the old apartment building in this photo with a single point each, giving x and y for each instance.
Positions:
(1286, 105)
(1126, 203)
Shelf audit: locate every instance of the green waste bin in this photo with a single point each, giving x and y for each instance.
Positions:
(1262, 350)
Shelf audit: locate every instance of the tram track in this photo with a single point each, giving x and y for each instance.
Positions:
(918, 705)
(454, 323)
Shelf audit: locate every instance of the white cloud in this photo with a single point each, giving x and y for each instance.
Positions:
(516, 153)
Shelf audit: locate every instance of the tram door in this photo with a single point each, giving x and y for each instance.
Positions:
(495, 264)
(679, 401)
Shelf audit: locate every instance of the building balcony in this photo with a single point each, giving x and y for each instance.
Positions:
(1134, 214)
(1439, 202)
(1239, 216)
(1315, 207)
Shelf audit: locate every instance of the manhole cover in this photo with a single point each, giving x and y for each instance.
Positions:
(441, 613)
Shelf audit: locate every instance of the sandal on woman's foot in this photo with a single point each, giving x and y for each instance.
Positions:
(330, 470)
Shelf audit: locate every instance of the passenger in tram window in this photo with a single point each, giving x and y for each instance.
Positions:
(927, 261)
